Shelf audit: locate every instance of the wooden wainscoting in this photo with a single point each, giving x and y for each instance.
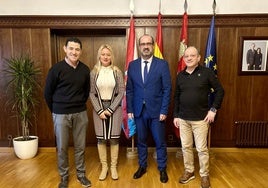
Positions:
(42, 37)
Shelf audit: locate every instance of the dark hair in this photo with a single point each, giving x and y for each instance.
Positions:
(73, 39)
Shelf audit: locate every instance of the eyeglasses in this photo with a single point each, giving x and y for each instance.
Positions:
(146, 44)
(191, 56)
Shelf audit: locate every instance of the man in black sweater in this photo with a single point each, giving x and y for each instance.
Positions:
(192, 114)
(66, 94)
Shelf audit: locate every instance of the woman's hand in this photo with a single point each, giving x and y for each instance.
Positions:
(102, 115)
(107, 113)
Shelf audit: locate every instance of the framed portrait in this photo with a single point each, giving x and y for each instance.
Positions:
(253, 55)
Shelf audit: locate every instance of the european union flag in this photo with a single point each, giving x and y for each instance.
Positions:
(210, 55)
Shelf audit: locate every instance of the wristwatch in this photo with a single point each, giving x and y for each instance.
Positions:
(212, 109)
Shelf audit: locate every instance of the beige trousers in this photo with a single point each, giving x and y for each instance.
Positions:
(195, 132)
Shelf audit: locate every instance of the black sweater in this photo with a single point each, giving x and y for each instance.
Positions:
(67, 89)
(191, 94)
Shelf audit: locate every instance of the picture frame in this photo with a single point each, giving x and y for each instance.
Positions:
(253, 55)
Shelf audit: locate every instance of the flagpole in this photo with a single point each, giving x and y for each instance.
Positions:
(209, 130)
(158, 47)
(181, 64)
(132, 153)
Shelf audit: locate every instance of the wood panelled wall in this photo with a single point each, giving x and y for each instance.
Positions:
(245, 95)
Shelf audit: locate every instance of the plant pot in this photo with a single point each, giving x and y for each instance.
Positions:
(25, 149)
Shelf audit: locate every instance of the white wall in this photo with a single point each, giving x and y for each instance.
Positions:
(121, 7)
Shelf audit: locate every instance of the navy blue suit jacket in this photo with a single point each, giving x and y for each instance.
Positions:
(155, 93)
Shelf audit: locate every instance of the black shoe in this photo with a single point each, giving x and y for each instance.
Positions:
(163, 176)
(139, 172)
(84, 181)
(64, 183)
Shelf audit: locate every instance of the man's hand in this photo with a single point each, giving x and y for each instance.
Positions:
(130, 115)
(162, 117)
(176, 122)
(210, 117)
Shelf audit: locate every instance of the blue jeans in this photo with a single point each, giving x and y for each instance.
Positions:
(77, 123)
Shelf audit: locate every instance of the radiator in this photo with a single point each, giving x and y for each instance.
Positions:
(251, 133)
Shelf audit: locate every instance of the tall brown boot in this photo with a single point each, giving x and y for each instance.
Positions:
(114, 158)
(102, 149)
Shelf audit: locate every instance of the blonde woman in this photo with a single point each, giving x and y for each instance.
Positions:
(106, 93)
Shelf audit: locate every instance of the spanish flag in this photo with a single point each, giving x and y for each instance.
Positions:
(158, 47)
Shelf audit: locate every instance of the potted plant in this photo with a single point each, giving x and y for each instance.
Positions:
(23, 84)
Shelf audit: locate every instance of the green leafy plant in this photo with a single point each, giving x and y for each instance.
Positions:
(23, 83)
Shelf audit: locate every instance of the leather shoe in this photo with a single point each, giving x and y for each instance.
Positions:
(163, 176)
(139, 172)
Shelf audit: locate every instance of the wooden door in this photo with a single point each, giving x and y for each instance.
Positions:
(91, 41)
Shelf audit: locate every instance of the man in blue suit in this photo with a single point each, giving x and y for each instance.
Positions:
(148, 97)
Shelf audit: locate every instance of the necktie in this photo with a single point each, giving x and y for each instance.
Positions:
(145, 71)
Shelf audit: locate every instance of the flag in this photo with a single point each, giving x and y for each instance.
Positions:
(128, 126)
(183, 42)
(182, 47)
(158, 47)
(210, 55)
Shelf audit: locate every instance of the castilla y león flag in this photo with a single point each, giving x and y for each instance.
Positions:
(183, 46)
